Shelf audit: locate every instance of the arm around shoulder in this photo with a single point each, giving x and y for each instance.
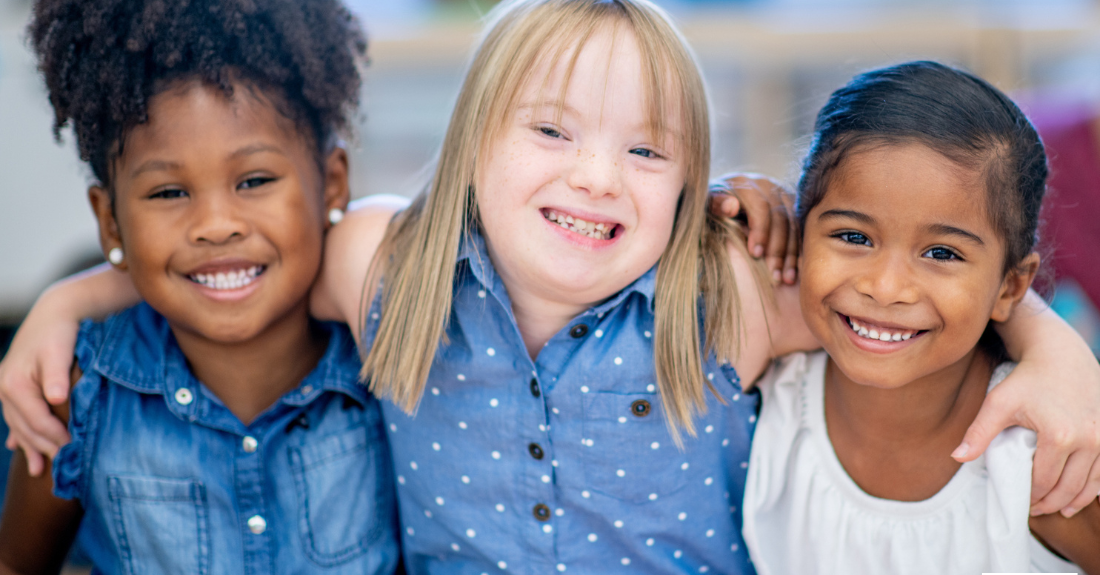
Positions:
(778, 317)
(349, 249)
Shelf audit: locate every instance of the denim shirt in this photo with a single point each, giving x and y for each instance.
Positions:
(565, 463)
(172, 482)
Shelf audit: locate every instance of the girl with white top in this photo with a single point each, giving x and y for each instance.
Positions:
(919, 202)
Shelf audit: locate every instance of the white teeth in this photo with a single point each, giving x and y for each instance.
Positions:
(235, 279)
(592, 230)
(875, 334)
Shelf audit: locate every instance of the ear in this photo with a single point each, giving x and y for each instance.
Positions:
(1014, 286)
(336, 192)
(109, 236)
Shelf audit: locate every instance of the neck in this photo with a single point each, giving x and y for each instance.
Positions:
(250, 376)
(539, 319)
(896, 443)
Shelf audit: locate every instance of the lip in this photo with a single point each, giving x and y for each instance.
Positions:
(875, 345)
(590, 218)
(224, 265)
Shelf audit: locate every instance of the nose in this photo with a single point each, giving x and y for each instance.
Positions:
(596, 172)
(217, 218)
(889, 279)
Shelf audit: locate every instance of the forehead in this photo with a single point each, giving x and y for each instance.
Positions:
(195, 115)
(609, 73)
(908, 184)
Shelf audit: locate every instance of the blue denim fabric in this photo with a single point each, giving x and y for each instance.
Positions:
(172, 482)
(580, 431)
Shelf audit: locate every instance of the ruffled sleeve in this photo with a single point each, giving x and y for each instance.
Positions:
(75, 458)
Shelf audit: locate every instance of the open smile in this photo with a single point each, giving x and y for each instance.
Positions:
(228, 279)
(590, 229)
(876, 332)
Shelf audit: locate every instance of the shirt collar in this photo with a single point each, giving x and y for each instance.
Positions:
(473, 253)
(139, 351)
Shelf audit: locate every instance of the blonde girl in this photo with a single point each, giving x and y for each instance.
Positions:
(544, 304)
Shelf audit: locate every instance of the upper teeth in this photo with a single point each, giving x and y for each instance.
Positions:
(590, 229)
(880, 333)
(228, 280)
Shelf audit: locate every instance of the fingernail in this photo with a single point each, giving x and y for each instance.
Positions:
(961, 450)
(1068, 512)
(776, 277)
(790, 276)
(1035, 512)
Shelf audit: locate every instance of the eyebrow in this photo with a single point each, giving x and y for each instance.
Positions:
(557, 104)
(165, 165)
(944, 229)
(850, 214)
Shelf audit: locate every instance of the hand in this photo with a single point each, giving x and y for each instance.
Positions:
(1055, 390)
(40, 357)
(769, 211)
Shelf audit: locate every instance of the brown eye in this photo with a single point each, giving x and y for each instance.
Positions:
(942, 254)
(254, 182)
(169, 194)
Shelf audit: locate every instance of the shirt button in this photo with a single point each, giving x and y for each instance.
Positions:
(257, 524)
(535, 391)
(183, 396)
(580, 330)
(542, 512)
(640, 408)
(249, 444)
(535, 450)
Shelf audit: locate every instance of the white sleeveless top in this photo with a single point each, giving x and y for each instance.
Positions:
(804, 515)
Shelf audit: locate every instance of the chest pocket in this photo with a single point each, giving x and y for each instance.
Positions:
(630, 454)
(345, 493)
(162, 524)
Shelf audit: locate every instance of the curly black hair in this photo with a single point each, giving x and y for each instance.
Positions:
(104, 59)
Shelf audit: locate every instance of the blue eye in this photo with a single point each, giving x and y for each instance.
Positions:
(169, 194)
(941, 253)
(644, 153)
(548, 131)
(254, 182)
(854, 238)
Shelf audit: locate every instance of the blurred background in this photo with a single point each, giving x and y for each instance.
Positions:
(770, 64)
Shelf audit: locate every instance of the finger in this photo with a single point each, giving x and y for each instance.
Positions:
(35, 463)
(777, 243)
(722, 203)
(1052, 456)
(33, 424)
(54, 370)
(757, 211)
(1069, 483)
(1087, 495)
(992, 418)
(790, 262)
(10, 443)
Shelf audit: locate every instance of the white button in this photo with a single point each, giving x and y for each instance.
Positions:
(307, 389)
(257, 524)
(183, 396)
(249, 444)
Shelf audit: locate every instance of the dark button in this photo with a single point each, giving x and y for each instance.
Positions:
(535, 387)
(542, 512)
(640, 408)
(579, 330)
(300, 421)
(535, 450)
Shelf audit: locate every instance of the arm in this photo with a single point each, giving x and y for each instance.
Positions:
(1076, 538)
(36, 528)
(1055, 390)
(41, 354)
(767, 208)
(781, 320)
(349, 249)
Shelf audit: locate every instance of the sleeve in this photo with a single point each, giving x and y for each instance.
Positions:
(73, 460)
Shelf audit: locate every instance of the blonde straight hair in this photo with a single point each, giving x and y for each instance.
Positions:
(416, 260)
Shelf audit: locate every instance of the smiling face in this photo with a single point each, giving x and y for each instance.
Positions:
(219, 208)
(574, 208)
(901, 269)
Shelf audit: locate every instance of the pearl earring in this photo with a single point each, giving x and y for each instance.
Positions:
(335, 215)
(115, 256)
